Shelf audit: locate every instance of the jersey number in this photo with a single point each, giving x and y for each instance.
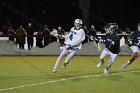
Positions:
(71, 37)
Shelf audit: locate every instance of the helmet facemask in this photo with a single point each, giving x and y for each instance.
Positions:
(111, 27)
(78, 23)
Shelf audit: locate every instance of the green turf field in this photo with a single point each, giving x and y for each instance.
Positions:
(33, 74)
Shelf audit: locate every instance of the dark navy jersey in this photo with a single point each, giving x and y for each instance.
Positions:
(112, 42)
(135, 38)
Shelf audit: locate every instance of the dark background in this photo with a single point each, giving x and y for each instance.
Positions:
(63, 12)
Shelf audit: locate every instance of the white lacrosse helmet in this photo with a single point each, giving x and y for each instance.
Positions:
(78, 23)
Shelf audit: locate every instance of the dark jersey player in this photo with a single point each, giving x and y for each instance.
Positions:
(112, 46)
(134, 46)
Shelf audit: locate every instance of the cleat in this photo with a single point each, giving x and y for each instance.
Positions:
(63, 67)
(105, 71)
(122, 68)
(54, 70)
(100, 64)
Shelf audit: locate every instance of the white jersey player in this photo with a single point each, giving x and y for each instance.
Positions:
(73, 42)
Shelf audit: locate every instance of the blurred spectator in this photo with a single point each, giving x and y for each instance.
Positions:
(126, 37)
(20, 37)
(6, 26)
(54, 35)
(39, 39)
(85, 29)
(92, 34)
(86, 35)
(30, 32)
(46, 35)
(103, 30)
(61, 32)
(11, 34)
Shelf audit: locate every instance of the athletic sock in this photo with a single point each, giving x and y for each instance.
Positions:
(102, 60)
(126, 64)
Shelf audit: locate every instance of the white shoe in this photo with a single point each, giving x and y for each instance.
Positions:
(122, 68)
(63, 66)
(100, 64)
(105, 71)
(54, 70)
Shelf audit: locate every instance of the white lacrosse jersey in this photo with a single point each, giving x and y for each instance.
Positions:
(75, 38)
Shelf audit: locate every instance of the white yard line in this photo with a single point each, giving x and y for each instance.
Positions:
(53, 81)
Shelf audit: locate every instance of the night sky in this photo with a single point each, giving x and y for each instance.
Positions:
(63, 12)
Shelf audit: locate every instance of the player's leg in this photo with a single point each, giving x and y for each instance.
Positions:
(63, 52)
(112, 59)
(102, 56)
(69, 57)
(133, 57)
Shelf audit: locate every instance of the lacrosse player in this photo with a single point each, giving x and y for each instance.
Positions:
(134, 46)
(112, 46)
(73, 42)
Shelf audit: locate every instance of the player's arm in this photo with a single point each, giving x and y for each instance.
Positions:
(134, 39)
(107, 41)
(111, 41)
(65, 36)
(131, 38)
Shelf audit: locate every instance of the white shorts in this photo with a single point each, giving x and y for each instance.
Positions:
(135, 49)
(106, 52)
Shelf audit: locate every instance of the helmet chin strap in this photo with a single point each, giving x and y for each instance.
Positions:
(76, 27)
(109, 31)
